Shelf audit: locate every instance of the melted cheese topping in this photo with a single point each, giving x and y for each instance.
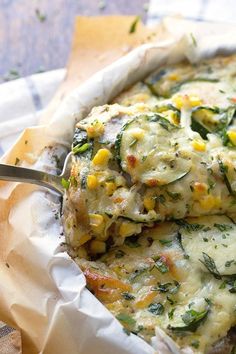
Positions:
(164, 150)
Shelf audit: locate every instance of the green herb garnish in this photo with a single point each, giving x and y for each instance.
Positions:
(173, 195)
(134, 24)
(223, 227)
(193, 40)
(65, 183)
(119, 254)
(161, 265)
(128, 296)
(166, 242)
(195, 343)
(209, 263)
(40, 16)
(189, 227)
(126, 319)
(80, 149)
(156, 308)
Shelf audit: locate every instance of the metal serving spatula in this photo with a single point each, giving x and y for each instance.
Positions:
(27, 175)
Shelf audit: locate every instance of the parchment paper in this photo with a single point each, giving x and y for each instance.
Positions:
(42, 291)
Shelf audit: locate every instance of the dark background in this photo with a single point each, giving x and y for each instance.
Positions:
(35, 35)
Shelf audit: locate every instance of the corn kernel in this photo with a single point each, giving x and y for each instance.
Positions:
(173, 77)
(97, 246)
(95, 130)
(195, 101)
(96, 223)
(102, 157)
(128, 229)
(232, 136)
(149, 203)
(92, 182)
(110, 188)
(137, 133)
(84, 238)
(199, 145)
(82, 253)
(209, 202)
(178, 101)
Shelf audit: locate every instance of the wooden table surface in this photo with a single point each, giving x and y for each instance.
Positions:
(35, 35)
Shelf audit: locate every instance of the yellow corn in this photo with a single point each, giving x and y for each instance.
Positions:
(110, 188)
(97, 246)
(128, 229)
(138, 133)
(97, 223)
(199, 145)
(187, 101)
(178, 101)
(174, 117)
(232, 136)
(149, 203)
(174, 77)
(209, 202)
(102, 157)
(95, 130)
(194, 101)
(92, 182)
(82, 253)
(84, 238)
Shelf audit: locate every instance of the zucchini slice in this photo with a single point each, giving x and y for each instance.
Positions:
(206, 119)
(152, 150)
(211, 243)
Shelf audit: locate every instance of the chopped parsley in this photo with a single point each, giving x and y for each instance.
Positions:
(192, 318)
(156, 308)
(134, 24)
(119, 254)
(195, 343)
(223, 227)
(189, 227)
(209, 263)
(132, 242)
(13, 74)
(166, 242)
(193, 40)
(138, 272)
(160, 198)
(17, 161)
(171, 313)
(161, 265)
(126, 319)
(128, 296)
(229, 263)
(174, 195)
(41, 17)
(79, 149)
